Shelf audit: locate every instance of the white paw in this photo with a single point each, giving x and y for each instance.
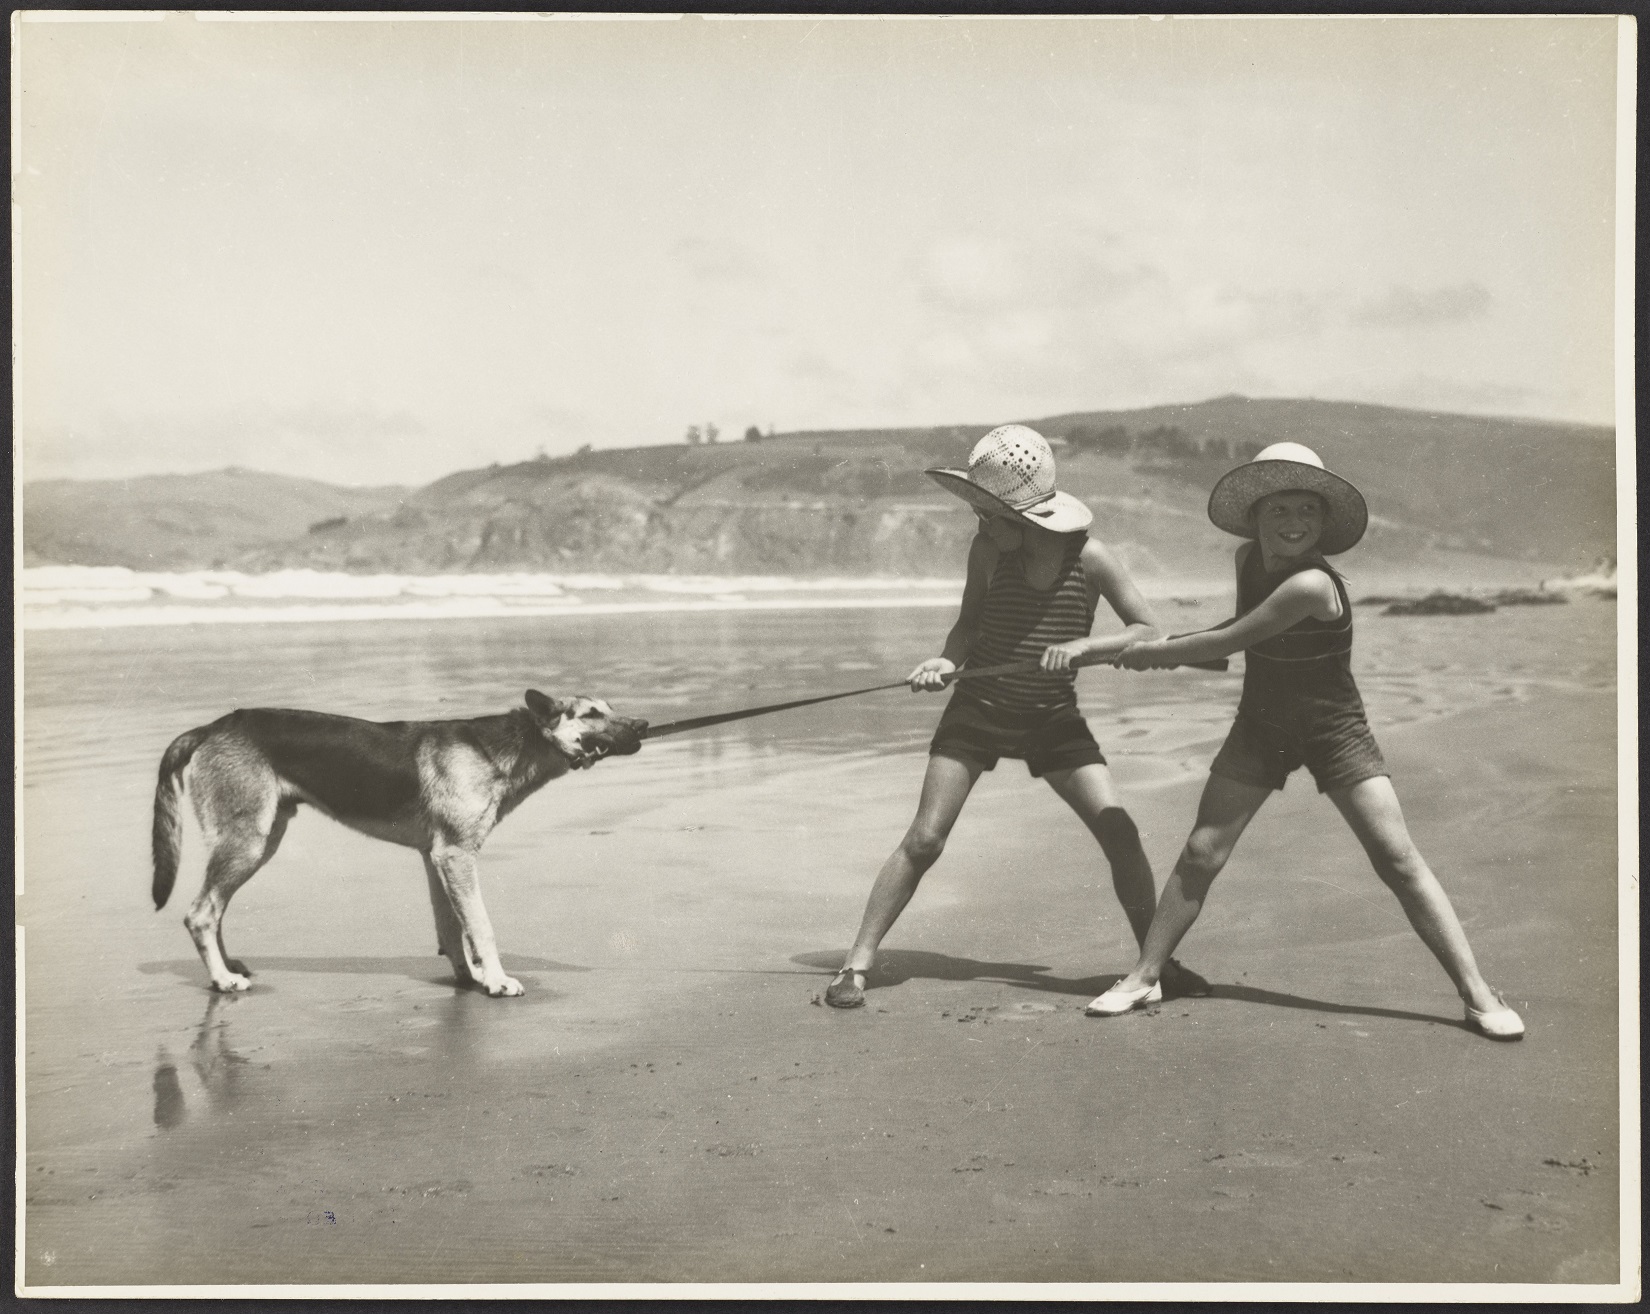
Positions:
(232, 983)
(507, 985)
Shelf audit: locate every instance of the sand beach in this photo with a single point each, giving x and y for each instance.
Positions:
(671, 1103)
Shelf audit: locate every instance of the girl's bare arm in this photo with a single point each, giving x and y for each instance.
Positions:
(982, 559)
(1107, 578)
(1310, 593)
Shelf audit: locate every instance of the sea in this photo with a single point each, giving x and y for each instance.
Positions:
(116, 661)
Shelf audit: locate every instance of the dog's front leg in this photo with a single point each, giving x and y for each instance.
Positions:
(450, 940)
(457, 869)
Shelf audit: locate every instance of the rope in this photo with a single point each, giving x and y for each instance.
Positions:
(975, 673)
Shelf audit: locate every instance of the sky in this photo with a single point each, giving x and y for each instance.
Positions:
(376, 252)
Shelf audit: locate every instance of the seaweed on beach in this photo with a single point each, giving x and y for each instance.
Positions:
(1440, 604)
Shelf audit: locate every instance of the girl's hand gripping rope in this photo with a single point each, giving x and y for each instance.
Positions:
(1064, 656)
(1163, 654)
(1143, 656)
(930, 675)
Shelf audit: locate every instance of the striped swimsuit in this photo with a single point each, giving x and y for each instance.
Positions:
(1032, 716)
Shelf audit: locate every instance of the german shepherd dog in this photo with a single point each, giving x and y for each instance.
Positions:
(436, 786)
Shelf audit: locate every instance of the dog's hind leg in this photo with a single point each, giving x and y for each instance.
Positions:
(234, 859)
(450, 940)
(283, 814)
(457, 869)
(239, 846)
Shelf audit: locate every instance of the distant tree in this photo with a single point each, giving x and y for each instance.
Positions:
(583, 448)
(753, 434)
(1169, 442)
(1113, 440)
(1243, 449)
(694, 437)
(710, 433)
(541, 454)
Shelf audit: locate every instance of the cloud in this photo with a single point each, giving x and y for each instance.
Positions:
(968, 275)
(1431, 392)
(1404, 307)
(346, 444)
(717, 261)
(1085, 316)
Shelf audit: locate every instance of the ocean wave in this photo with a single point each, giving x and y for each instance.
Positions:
(79, 597)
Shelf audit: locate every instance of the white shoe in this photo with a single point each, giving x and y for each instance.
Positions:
(1117, 1001)
(1497, 1023)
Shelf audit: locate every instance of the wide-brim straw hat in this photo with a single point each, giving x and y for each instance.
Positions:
(1011, 473)
(1283, 468)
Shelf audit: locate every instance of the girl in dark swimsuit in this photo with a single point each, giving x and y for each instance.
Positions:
(1299, 707)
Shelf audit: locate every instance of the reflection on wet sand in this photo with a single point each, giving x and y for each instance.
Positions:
(220, 1071)
(432, 970)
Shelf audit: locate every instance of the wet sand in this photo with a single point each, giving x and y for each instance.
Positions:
(671, 1103)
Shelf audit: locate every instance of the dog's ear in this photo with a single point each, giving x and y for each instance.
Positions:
(544, 708)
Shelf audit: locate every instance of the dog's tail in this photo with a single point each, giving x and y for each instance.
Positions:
(167, 834)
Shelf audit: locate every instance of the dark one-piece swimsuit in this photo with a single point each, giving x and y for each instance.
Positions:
(1300, 706)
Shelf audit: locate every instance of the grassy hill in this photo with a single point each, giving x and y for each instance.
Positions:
(857, 501)
(180, 522)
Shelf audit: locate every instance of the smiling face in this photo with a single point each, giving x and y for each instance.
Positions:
(1288, 525)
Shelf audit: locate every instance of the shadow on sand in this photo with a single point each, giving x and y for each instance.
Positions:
(897, 966)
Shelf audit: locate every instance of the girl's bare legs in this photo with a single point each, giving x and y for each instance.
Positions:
(1371, 809)
(1092, 795)
(1223, 813)
(945, 789)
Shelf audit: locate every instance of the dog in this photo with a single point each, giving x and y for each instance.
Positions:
(436, 786)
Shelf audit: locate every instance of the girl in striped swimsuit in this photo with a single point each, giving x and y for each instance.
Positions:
(1034, 580)
(1299, 707)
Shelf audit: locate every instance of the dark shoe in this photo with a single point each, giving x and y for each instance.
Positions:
(1179, 981)
(847, 988)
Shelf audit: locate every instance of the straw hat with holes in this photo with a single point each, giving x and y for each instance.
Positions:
(1011, 473)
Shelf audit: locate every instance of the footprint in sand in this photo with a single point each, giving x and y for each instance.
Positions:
(1252, 1159)
(1025, 1012)
(1078, 1189)
(1528, 1211)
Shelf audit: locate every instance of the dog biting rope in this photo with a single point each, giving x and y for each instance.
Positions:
(951, 677)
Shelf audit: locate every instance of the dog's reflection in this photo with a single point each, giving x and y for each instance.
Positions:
(215, 1078)
(219, 1070)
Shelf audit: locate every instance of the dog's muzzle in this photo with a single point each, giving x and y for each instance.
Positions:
(620, 738)
(627, 736)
